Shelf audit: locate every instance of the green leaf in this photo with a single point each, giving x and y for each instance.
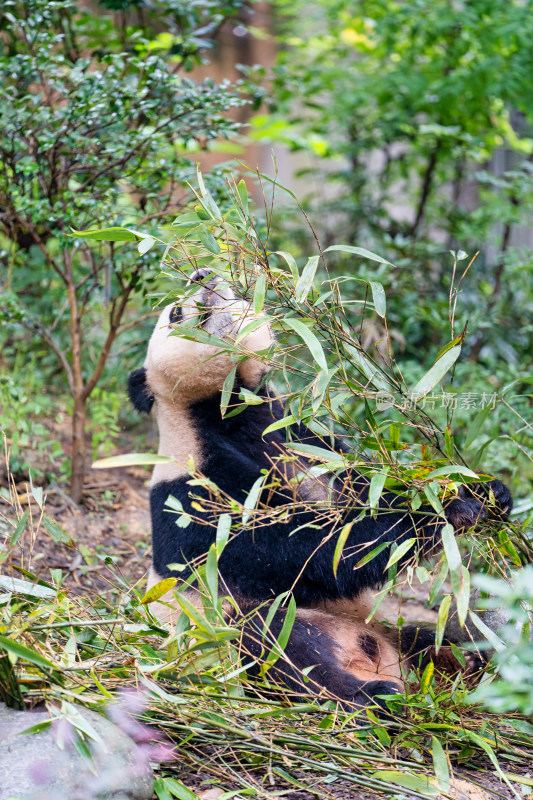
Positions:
(442, 618)
(357, 251)
(283, 638)
(477, 424)
(418, 783)
(21, 524)
(211, 572)
(107, 235)
(460, 580)
(378, 296)
(252, 498)
(21, 651)
(227, 389)
(280, 423)
(440, 764)
(250, 398)
(243, 196)
(223, 532)
(251, 326)
(373, 553)
(305, 281)
(400, 551)
(177, 789)
(451, 469)
(290, 261)
(19, 586)
(315, 348)
(320, 453)
(259, 293)
(145, 245)
(208, 240)
(131, 460)
(341, 541)
(376, 488)
(453, 556)
(437, 372)
(489, 634)
(195, 615)
(56, 531)
(158, 590)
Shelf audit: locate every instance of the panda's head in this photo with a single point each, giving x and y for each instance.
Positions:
(181, 371)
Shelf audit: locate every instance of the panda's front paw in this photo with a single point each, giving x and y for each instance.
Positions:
(502, 495)
(465, 513)
(493, 494)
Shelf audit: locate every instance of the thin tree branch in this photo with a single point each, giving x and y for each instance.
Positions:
(47, 334)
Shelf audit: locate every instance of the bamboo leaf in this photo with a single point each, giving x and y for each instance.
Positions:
(442, 618)
(373, 553)
(378, 296)
(145, 245)
(409, 780)
(314, 346)
(227, 389)
(56, 531)
(400, 551)
(208, 241)
(440, 764)
(341, 541)
(376, 488)
(131, 460)
(451, 469)
(107, 235)
(243, 196)
(252, 498)
(453, 556)
(280, 423)
(290, 261)
(158, 590)
(259, 293)
(21, 651)
(305, 281)
(223, 532)
(358, 251)
(437, 372)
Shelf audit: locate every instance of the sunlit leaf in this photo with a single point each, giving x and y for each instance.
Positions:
(341, 541)
(437, 372)
(131, 460)
(158, 590)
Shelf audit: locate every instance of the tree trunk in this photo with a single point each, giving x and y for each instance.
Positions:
(78, 448)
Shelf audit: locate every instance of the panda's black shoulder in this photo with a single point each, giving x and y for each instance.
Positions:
(139, 391)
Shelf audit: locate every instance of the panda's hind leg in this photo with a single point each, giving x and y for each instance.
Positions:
(325, 656)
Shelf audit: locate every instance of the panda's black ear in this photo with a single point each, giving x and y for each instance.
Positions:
(139, 392)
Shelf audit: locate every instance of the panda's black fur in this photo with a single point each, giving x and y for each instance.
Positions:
(351, 660)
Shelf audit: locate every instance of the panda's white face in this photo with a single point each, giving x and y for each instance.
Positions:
(180, 370)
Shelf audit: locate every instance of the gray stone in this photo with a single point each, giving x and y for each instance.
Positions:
(46, 766)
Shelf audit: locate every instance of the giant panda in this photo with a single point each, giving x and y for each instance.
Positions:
(342, 657)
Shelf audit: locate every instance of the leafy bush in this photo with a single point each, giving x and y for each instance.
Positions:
(95, 125)
(513, 660)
